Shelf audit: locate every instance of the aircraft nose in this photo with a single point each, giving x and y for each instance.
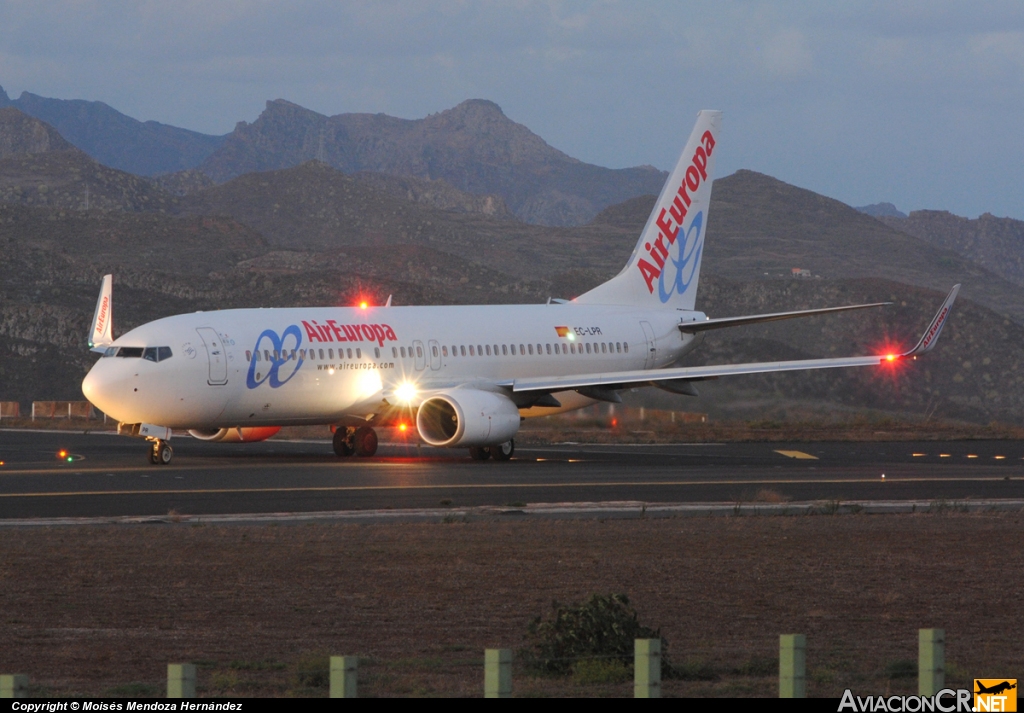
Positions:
(99, 387)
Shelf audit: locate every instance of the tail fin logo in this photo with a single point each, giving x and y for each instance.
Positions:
(670, 222)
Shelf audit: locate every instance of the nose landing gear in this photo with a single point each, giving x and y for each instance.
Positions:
(160, 453)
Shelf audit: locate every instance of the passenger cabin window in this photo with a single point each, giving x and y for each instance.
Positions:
(376, 352)
(394, 352)
(321, 355)
(471, 352)
(248, 355)
(433, 350)
(462, 350)
(359, 353)
(349, 353)
(419, 352)
(548, 348)
(504, 350)
(625, 347)
(488, 350)
(531, 349)
(403, 352)
(444, 351)
(479, 350)
(330, 353)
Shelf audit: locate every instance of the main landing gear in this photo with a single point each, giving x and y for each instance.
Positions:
(362, 441)
(160, 452)
(499, 452)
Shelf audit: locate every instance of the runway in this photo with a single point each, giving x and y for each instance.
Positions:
(104, 475)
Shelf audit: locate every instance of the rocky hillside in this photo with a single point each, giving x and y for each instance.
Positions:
(145, 148)
(995, 243)
(21, 134)
(474, 147)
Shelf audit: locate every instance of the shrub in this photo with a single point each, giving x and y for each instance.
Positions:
(603, 627)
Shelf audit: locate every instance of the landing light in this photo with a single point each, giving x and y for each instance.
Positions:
(890, 357)
(363, 305)
(406, 392)
(402, 427)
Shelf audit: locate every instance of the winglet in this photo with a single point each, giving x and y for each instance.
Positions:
(931, 335)
(101, 335)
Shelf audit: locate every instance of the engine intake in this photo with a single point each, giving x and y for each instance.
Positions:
(235, 435)
(466, 417)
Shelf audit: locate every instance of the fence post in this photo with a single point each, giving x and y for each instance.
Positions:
(14, 686)
(792, 666)
(497, 673)
(344, 676)
(647, 668)
(181, 680)
(931, 661)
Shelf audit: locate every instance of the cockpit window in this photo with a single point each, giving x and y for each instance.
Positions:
(147, 353)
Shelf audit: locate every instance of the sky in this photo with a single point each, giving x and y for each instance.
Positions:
(916, 103)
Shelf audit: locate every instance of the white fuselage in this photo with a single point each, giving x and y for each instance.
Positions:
(274, 367)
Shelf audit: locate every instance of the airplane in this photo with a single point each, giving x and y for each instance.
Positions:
(465, 376)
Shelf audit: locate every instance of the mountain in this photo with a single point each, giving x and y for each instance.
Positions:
(882, 210)
(116, 140)
(313, 207)
(22, 134)
(995, 243)
(473, 147)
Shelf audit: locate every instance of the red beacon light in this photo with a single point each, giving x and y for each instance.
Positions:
(364, 304)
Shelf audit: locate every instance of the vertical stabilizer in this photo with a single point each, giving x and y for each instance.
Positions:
(102, 333)
(665, 265)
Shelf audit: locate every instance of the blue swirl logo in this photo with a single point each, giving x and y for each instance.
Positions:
(688, 251)
(279, 350)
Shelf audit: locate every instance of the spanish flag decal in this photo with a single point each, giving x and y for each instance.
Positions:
(562, 331)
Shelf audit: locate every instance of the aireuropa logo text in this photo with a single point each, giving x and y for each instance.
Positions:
(945, 701)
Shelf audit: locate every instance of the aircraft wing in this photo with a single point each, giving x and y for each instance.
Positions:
(639, 377)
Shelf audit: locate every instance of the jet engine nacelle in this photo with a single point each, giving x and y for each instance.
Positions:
(235, 435)
(467, 417)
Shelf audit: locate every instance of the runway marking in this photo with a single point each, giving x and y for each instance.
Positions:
(485, 486)
(798, 454)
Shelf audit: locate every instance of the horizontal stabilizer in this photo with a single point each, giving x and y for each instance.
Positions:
(723, 322)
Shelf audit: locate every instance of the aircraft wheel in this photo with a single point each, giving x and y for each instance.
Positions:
(479, 452)
(163, 453)
(503, 451)
(365, 441)
(342, 443)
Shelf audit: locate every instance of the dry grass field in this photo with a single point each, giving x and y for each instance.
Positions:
(102, 610)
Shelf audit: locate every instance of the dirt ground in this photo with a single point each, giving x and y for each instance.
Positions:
(102, 610)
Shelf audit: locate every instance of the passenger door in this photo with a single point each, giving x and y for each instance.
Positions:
(216, 355)
(652, 345)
